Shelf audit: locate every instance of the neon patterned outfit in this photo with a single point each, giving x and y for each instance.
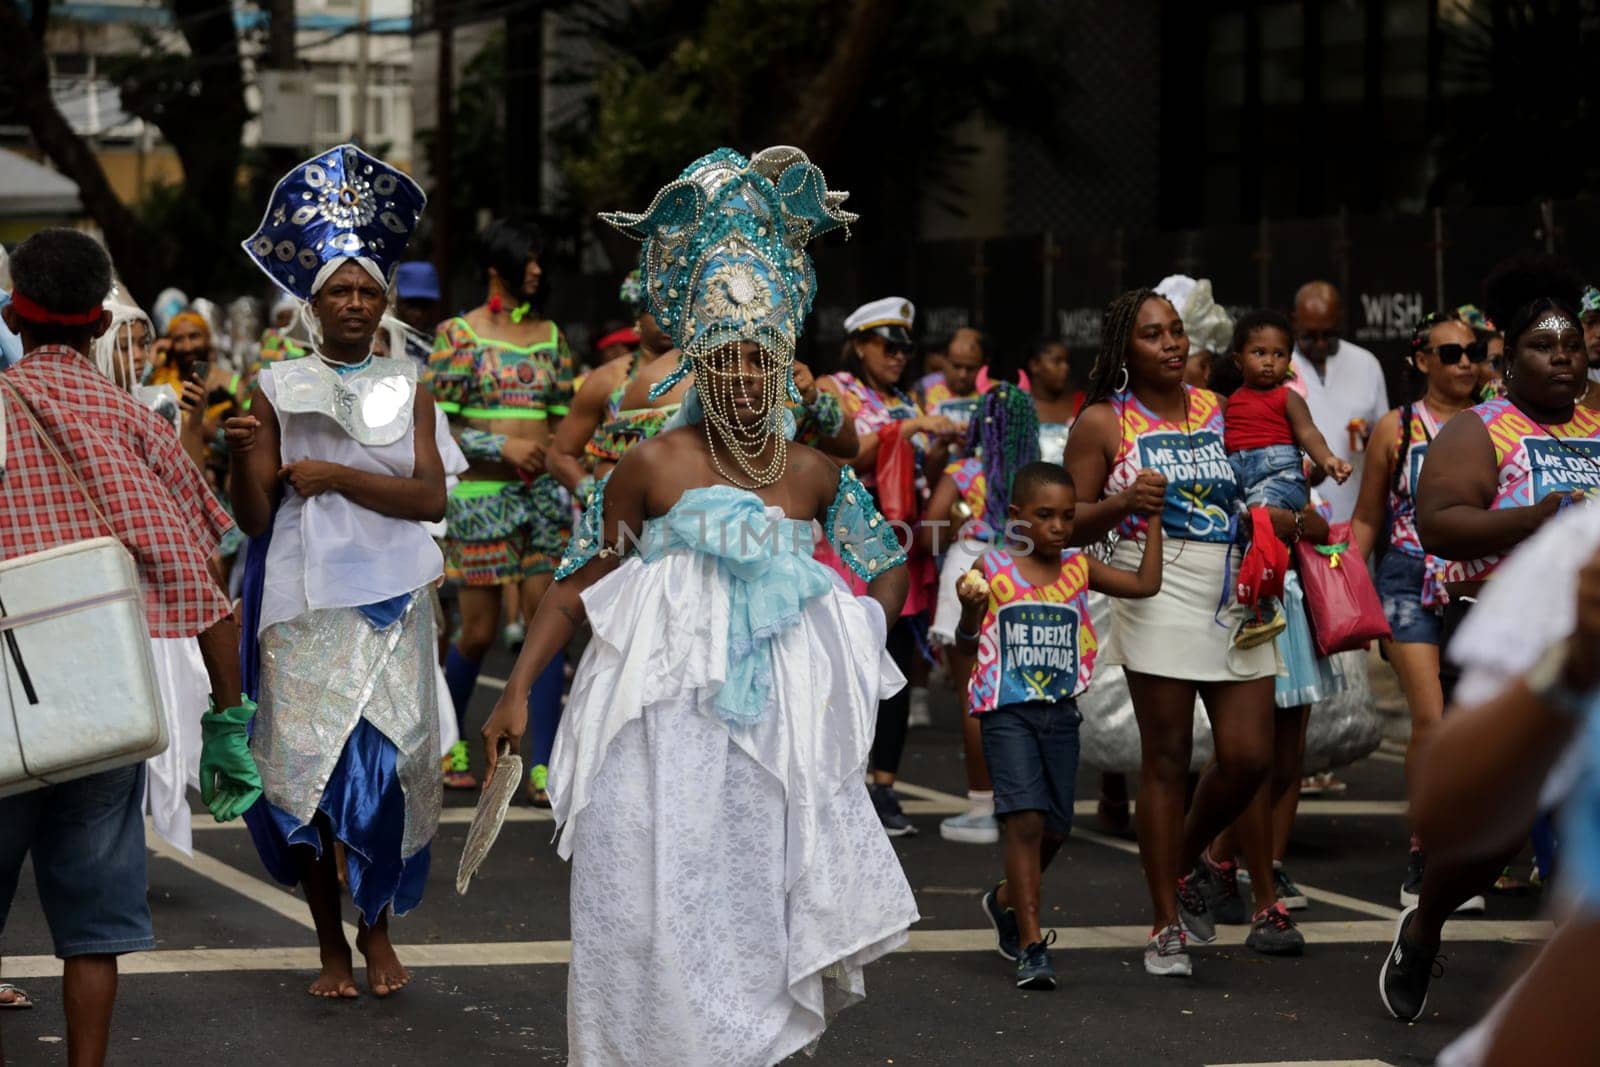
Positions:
(1532, 461)
(1028, 670)
(502, 532)
(1201, 486)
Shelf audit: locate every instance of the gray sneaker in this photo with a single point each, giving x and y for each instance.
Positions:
(1192, 910)
(971, 828)
(1273, 933)
(1221, 889)
(1166, 955)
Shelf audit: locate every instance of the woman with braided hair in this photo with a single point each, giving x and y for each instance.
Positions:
(1446, 357)
(1002, 438)
(1147, 447)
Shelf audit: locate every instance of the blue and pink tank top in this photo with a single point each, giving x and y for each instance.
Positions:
(1409, 455)
(1533, 461)
(1037, 643)
(1201, 487)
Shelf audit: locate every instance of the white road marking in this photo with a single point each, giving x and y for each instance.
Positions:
(492, 683)
(264, 893)
(1326, 896)
(544, 953)
(1309, 1063)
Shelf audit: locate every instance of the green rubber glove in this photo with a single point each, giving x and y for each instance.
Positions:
(229, 782)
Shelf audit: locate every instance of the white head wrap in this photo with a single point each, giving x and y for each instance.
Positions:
(1207, 323)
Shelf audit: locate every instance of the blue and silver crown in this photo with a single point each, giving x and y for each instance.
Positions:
(340, 204)
(724, 256)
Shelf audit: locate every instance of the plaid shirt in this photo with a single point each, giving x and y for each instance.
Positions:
(129, 459)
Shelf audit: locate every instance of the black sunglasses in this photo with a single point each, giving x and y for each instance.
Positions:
(1476, 352)
(897, 348)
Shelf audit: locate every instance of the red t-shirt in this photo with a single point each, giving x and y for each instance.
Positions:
(1257, 418)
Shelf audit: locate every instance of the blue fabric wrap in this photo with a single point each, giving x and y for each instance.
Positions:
(1580, 818)
(366, 810)
(769, 582)
(385, 613)
(363, 801)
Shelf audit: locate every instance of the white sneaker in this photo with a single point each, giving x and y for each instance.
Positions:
(1165, 955)
(919, 716)
(972, 827)
(1473, 906)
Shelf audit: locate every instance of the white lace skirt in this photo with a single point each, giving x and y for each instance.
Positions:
(686, 949)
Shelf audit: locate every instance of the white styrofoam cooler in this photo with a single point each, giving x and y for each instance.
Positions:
(79, 691)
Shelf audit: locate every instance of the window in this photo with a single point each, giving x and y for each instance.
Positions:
(378, 114)
(329, 114)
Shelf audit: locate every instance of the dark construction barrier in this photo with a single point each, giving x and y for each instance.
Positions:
(1390, 270)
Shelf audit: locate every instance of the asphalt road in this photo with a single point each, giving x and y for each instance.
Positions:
(227, 983)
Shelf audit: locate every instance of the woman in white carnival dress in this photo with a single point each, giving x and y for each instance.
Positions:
(729, 878)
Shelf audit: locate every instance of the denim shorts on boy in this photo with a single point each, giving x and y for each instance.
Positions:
(87, 840)
(1271, 477)
(1032, 753)
(1399, 585)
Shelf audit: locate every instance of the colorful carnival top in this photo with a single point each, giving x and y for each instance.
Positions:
(1533, 461)
(1201, 487)
(872, 412)
(1409, 455)
(480, 378)
(1037, 643)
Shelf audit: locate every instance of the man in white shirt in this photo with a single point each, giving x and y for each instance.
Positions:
(1342, 383)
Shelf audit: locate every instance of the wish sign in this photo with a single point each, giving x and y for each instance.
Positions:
(1038, 645)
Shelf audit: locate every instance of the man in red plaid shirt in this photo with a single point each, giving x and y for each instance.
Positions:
(87, 835)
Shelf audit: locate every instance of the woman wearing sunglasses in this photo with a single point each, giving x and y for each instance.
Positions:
(877, 349)
(1447, 356)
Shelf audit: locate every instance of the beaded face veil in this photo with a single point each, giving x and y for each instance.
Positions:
(724, 266)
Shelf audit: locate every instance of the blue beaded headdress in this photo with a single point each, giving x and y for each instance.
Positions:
(724, 256)
(340, 204)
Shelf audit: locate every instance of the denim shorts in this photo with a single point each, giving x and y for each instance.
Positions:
(1032, 753)
(1272, 477)
(1399, 583)
(87, 840)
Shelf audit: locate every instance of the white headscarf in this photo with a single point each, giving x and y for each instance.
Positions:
(1207, 323)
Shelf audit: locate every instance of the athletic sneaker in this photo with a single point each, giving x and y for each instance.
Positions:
(1033, 969)
(918, 716)
(1411, 888)
(1253, 632)
(973, 827)
(887, 805)
(1004, 920)
(457, 766)
(1165, 954)
(1192, 910)
(1221, 889)
(1403, 982)
(1273, 933)
(1290, 895)
(514, 634)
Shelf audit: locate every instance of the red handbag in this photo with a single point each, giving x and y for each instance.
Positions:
(1341, 600)
(896, 476)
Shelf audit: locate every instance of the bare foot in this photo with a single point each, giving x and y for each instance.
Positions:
(385, 973)
(337, 980)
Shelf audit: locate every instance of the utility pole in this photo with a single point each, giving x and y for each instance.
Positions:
(443, 144)
(363, 69)
(524, 111)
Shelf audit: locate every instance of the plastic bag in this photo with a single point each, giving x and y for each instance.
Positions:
(896, 475)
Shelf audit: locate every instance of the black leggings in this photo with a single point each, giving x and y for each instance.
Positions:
(1455, 613)
(889, 743)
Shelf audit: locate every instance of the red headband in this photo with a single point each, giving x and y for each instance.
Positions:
(32, 312)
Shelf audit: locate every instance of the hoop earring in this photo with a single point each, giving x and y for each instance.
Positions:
(1123, 388)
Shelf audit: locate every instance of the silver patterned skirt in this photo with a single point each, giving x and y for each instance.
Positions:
(326, 671)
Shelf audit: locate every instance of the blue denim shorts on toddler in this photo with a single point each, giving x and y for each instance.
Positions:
(1272, 477)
